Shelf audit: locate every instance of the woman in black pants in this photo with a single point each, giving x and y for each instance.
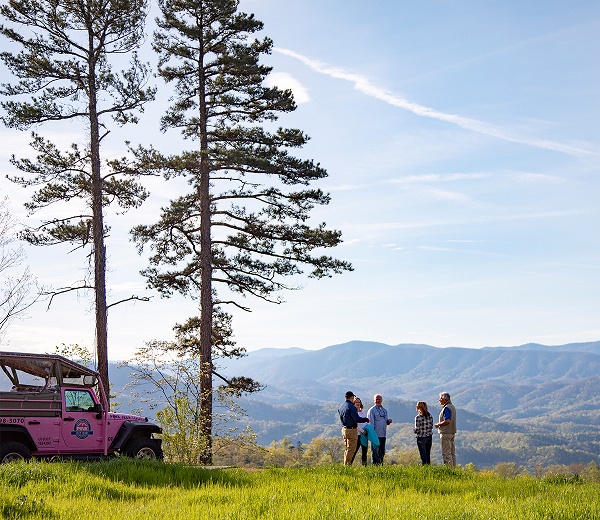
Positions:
(360, 445)
(423, 431)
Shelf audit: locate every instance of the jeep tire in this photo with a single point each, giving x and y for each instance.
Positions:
(14, 451)
(144, 448)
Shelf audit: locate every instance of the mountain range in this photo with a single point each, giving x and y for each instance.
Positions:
(500, 382)
(528, 404)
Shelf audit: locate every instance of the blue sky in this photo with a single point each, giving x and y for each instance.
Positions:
(463, 151)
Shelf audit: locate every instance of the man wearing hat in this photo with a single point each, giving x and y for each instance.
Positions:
(350, 418)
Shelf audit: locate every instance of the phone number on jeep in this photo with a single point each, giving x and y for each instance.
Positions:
(12, 420)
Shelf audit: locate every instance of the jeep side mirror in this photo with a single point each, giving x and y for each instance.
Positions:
(98, 407)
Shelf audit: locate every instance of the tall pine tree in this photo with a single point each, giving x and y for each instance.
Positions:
(66, 74)
(243, 225)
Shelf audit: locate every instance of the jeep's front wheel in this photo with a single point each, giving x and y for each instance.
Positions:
(14, 451)
(144, 448)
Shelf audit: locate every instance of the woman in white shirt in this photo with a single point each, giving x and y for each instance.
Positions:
(360, 445)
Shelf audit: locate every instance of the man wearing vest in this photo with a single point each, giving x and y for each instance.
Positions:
(447, 428)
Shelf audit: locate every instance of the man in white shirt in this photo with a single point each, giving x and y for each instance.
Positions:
(378, 417)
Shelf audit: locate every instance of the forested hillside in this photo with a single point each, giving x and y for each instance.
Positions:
(554, 383)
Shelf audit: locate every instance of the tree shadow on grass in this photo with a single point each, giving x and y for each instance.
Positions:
(157, 474)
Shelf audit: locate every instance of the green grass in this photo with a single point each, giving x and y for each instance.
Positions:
(128, 490)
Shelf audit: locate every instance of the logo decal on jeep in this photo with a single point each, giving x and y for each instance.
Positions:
(82, 429)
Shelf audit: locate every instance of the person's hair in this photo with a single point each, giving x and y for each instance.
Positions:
(445, 395)
(422, 405)
(361, 406)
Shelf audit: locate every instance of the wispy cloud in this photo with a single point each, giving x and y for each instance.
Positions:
(439, 177)
(426, 178)
(285, 81)
(366, 86)
(415, 224)
(447, 195)
(435, 248)
(531, 177)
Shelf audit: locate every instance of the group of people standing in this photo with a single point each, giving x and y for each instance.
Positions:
(360, 428)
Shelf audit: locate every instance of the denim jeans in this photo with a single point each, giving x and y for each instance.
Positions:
(424, 445)
(378, 452)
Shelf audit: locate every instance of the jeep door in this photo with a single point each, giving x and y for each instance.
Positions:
(82, 432)
(45, 433)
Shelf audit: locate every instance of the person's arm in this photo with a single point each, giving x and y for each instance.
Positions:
(342, 412)
(447, 417)
(370, 416)
(358, 418)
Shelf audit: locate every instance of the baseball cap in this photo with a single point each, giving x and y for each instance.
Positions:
(349, 394)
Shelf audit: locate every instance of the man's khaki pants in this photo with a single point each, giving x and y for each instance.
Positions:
(448, 453)
(350, 436)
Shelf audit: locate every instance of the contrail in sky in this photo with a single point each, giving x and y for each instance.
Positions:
(364, 85)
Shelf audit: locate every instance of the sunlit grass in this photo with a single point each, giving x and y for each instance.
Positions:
(122, 488)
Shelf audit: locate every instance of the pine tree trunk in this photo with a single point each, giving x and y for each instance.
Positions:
(206, 301)
(101, 338)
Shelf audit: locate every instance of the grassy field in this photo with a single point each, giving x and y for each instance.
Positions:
(128, 490)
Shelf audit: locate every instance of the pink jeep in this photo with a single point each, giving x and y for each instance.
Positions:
(49, 408)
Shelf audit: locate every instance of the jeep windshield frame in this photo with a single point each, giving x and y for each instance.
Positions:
(52, 369)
